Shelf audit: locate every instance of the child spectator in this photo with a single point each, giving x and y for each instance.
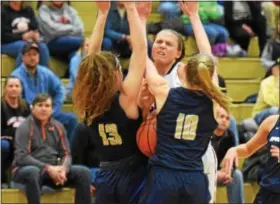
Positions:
(74, 66)
(19, 25)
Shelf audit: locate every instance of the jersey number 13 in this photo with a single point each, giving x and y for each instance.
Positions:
(109, 134)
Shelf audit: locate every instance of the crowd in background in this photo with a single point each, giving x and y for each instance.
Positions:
(58, 31)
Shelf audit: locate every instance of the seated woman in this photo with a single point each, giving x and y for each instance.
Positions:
(19, 24)
(14, 110)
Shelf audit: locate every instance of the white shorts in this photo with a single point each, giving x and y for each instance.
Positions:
(210, 164)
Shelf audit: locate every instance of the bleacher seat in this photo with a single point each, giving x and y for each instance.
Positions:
(13, 196)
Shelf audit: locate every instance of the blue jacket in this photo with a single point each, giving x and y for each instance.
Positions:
(44, 81)
(115, 26)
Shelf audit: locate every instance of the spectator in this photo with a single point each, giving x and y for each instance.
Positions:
(116, 35)
(83, 150)
(268, 98)
(73, 67)
(62, 28)
(169, 9)
(18, 25)
(49, 162)
(211, 19)
(272, 50)
(244, 20)
(222, 140)
(38, 79)
(14, 110)
(270, 11)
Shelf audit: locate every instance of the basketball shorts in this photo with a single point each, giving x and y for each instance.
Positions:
(166, 186)
(120, 181)
(210, 165)
(266, 197)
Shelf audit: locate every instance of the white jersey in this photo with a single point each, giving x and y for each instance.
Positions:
(172, 77)
(209, 158)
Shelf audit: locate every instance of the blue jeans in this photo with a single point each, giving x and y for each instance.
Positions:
(6, 157)
(121, 48)
(234, 130)
(73, 71)
(93, 172)
(65, 47)
(261, 116)
(31, 177)
(235, 189)
(13, 49)
(215, 32)
(169, 9)
(70, 122)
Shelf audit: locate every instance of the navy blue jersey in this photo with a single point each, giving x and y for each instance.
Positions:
(184, 127)
(271, 177)
(114, 134)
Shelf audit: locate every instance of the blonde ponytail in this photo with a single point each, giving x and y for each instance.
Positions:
(209, 88)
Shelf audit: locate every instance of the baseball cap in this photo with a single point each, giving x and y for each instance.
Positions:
(30, 45)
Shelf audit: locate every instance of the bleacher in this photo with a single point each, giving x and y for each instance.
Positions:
(242, 77)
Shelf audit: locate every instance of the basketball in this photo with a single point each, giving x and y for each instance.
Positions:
(147, 137)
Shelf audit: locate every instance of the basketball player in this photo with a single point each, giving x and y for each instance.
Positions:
(185, 123)
(268, 132)
(110, 108)
(168, 50)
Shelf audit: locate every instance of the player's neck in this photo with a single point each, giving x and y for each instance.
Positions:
(219, 132)
(163, 69)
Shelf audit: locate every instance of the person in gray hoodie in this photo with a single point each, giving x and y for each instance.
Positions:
(61, 27)
(42, 156)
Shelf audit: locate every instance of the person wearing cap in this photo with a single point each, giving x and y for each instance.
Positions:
(268, 98)
(39, 79)
(19, 25)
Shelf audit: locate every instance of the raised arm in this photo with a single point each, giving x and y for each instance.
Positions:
(95, 40)
(157, 84)
(132, 83)
(191, 10)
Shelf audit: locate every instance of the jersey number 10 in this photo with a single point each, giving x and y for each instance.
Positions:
(186, 126)
(109, 134)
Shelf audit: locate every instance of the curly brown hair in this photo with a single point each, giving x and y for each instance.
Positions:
(95, 85)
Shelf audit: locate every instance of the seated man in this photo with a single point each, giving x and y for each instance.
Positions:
(38, 79)
(222, 140)
(42, 155)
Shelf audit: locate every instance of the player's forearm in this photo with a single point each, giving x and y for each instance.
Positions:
(243, 151)
(202, 40)
(96, 37)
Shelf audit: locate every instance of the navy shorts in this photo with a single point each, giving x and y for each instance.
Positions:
(120, 185)
(266, 197)
(165, 186)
